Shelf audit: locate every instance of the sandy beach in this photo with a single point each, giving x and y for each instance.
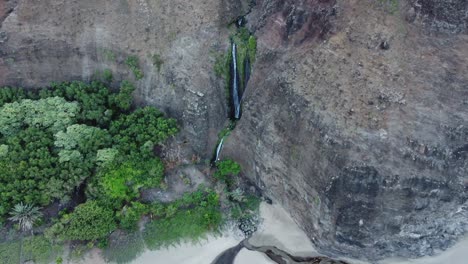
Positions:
(278, 229)
(201, 253)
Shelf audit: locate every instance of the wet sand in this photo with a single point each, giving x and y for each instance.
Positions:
(246, 256)
(279, 229)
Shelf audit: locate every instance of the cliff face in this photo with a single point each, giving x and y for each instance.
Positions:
(356, 120)
(355, 117)
(57, 40)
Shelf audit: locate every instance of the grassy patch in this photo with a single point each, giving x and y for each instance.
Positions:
(134, 64)
(10, 252)
(124, 249)
(40, 250)
(187, 219)
(108, 55)
(226, 169)
(245, 208)
(36, 248)
(105, 76)
(246, 50)
(221, 66)
(157, 61)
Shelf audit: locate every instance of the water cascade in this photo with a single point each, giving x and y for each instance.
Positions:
(235, 83)
(218, 149)
(239, 75)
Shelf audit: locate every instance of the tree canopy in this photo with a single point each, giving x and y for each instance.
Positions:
(55, 139)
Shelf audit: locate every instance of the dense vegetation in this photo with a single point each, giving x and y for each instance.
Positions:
(74, 158)
(85, 148)
(55, 140)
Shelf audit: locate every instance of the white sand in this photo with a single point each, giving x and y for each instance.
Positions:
(279, 229)
(252, 257)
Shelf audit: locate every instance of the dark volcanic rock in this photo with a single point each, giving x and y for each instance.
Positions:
(366, 148)
(442, 15)
(52, 40)
(369, 180)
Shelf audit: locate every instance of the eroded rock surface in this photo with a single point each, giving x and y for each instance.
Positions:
(57, 40)
(360, 128)
(355, 117)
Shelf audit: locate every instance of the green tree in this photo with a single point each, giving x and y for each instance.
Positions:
(51, 114)
(130, 215)
(10, 95)
(106, 156)
(123, 99)
(131, 132)
(89, 221)
(27, 168)
(123, 181)
(225, 169)
(25, 215)
(133, 63)
(93, 100)
(83, 138)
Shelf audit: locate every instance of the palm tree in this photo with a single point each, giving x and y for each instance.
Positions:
(25, 215)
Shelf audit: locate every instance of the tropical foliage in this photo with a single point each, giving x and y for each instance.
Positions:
(55, 139)
(25, 215)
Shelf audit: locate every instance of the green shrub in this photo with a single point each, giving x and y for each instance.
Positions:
(144, 125)
(157, 61)
(252, 47)
(133, 63)
(122, 182)
(10, 252)
(10, 95)
(89, 221)
(125, 248)
(40, 250)
(123, 99)
(187, 223)
(129, 216)
(51, 114)
(108, 54)
(221, 66)
(107, 75)
(226, 169)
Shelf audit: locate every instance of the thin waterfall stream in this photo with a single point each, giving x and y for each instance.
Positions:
(235, 83)
(239, 65)
(218, 149)
(242, 55)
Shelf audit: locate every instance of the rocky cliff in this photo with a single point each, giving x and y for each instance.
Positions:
(355, 117)
(356, 120)
(61, 40)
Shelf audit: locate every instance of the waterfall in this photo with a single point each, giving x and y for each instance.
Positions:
(235, 84)
(218, 149)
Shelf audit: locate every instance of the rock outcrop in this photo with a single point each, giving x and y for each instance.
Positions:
(356, 120)
(355, 117)
(57, 40)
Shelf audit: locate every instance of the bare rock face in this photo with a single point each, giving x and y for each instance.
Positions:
(439, 15)
(356, 119)
(56, 40)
